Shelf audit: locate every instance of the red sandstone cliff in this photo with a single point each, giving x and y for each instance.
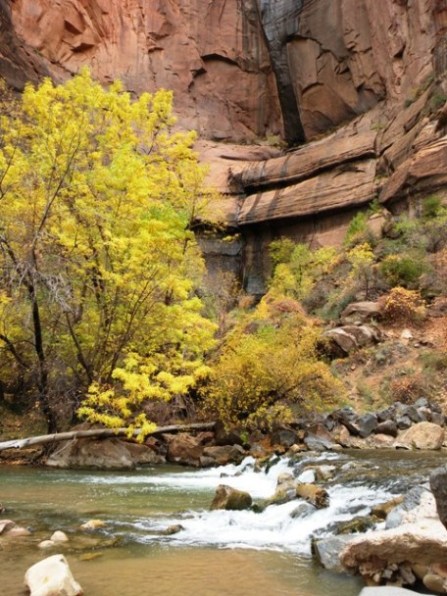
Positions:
(368, 74)
(212, 54)
(332, 59)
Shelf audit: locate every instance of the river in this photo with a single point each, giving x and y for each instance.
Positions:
(217, 553)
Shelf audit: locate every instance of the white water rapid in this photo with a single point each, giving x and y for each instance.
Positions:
(276, 528)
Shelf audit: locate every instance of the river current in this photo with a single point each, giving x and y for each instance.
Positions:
(239, 553)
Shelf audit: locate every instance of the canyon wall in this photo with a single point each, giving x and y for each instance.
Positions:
(357, 87)
(240, 69)
(212, 54)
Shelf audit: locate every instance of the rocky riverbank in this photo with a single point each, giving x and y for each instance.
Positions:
(400, 426)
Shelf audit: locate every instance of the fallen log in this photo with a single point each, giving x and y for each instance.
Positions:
(100, 433)
(313, 494)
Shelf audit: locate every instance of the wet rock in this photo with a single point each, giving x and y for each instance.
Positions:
(225, 454)
(59, 536)
(285, 479)
(307, 475)
(93, 524)
(18, 531)
(311, 493)
(285, 490)
(52, 577)
(171, 530)
(327, 551)
(6, 524)
(387, 427)
(438, 485)
(356, 525)
(46, 544)
(207, 462)
(383, 509)
(302, 511)
(230, 498)
(325, 472)
(411, 501)
(424, 435)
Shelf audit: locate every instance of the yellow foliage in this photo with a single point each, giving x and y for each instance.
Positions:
(402, 306)
(97, 199)
(269, 361)
(298, 267)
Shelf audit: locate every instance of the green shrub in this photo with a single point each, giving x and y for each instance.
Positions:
(357, 231)
(401, 270)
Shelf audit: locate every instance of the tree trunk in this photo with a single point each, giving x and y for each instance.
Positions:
(100, 433)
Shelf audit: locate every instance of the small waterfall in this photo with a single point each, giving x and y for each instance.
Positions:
(287, 527)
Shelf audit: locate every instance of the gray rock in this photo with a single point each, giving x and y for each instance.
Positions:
(422, 402)
(302, 510)
(387, 427)
(386, 414)
(413, 414)
(314, 443)
(365, 425)
(437, 418)
(411, 500)
(327, 551)
(285, 437)
(438, 485)
(403, 422)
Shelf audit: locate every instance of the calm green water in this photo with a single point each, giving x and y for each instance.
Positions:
(218, 553)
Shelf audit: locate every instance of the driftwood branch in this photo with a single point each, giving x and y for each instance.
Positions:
(100, 433)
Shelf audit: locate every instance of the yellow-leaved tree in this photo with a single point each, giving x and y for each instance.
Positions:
(268, 368)
(98, 262)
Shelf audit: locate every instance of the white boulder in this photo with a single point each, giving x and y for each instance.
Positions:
(52, 577)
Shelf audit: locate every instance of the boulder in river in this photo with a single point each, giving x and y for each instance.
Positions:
(314, 494)
(390, 555)
(51, 577)
(327, 551)
(230, 498)
(424, 435)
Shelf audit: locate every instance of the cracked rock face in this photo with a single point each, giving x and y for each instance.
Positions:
(241, 69)
(212, 54)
